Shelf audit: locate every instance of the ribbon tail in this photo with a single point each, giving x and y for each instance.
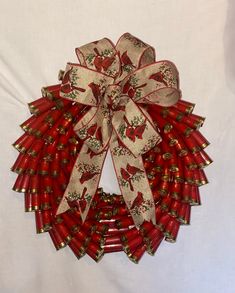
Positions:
(133, 183)
(135, 128)
(83, 182)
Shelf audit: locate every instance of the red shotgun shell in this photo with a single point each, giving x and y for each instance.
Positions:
(166, 203)
(22, 183)
(129, 235)
(193, 121)
(52, 117)
(112, 248)
(115, 231)
(202, 159)
(21, 163)
(184, 106)
(192, 144)
(173, 114)
(34, 183)
(33, 165)
(32, 201)
(189, 175)
(23, 143)
(175, 189)
(171, 231)
(41, 130)
(174, 208)
(37, 107)
(186, 192)
(44, 166)
(184, 213)
(81, 235)
(152, 235)
(26, 124)
(64, 139)
(203, 178)
(115, 239)
(124, 222)
(46, 183)
(158, 212)
(163, 221)
(51, 92)
(55, 165)
(98, 238)
(153, 246)
(45, 201)
(39, 222)
(95, 251)
(63, 230)
(56, 239)
(146, 227)
(47, 219)
(101, 228)
(189, 162)
(200, 139)
(182, 128)
(180, 147)
(130, 246)
(195, 196)
(163, 188)
(36, 147)
(77, 247)
(138, 253)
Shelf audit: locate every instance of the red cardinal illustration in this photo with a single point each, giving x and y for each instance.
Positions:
(130, 133)
(98, 134)
(80, 89)
(126, 87)
(87, 176)
(98, 60)
(66, 76)
(92, 129)
(95, 90)
(73, 204)
(139, 130)
(102, 62)
(120, 143)
(92, 154)
(130, 90)
(66, 88)
(158, 76)
(126, 176)
(125, 59)
(107, 62)
(138, 200)
(132, 169)
(82, 201)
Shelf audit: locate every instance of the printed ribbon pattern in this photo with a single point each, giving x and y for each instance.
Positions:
(117, 83)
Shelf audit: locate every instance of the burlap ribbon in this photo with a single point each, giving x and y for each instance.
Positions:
(117, 82)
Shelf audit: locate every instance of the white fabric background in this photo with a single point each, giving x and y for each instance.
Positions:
(37, 38)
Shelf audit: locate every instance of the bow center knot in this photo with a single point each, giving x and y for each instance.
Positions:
(112, 96)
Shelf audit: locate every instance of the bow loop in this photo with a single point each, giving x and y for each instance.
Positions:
(117, 82)
(100, 56)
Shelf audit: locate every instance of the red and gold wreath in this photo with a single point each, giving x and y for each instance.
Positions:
(119, 99)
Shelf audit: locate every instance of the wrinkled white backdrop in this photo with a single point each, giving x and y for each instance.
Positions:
(37, 38)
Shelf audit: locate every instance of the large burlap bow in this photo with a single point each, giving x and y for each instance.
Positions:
(117, 82)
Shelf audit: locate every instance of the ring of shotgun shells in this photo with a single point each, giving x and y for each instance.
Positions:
(48, 149)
